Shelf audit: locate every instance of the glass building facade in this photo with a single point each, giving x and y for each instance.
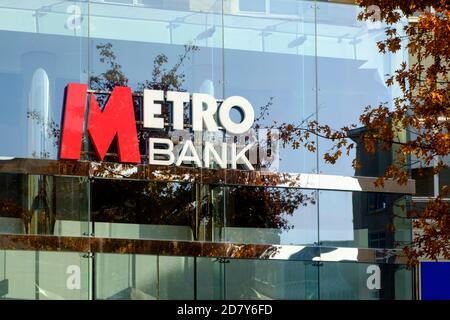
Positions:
(93, 229)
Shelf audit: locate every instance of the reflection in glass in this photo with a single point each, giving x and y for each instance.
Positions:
(363, 219)
(47, 48)
(360, 281)
(267, 280)
(32, 204)
(143, 210)
(276, 73)
(143, 277)
(351, 75)
(264, 215)
(39, 275)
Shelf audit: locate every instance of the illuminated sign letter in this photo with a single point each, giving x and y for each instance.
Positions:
(209, 149)
(202, 116)
(151, 109)
(72, 133)
(178, 99)
(165, 152)
(246, 110)
(235, 156)
(188, 146)
(116, 119)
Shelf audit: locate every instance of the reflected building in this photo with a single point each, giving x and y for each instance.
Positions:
(379, 218)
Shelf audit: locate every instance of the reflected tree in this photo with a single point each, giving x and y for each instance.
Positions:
(142, 202)
(113, 75)
(51, 129)
(263, 207)
(413, 126)
(175, 203)
(154, 202)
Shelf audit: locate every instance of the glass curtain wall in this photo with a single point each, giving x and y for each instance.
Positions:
(44, 275)
(295, 61)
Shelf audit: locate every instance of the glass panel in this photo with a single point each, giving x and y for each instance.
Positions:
(444, 178)
(351, 75)
(176, 278)
(143, 210)
(210, 278)
(72, 202)
(363, 219)
(282, 6)
(262, 280)
(61, 275)
(269, 60)
(39, 275)
(126, 276)
(47, 49)
(425, 181)
(33, 204)
(157, 49)
(264, 215)
(252, 6)
(360, 281)
(143, 277)
(235, 279)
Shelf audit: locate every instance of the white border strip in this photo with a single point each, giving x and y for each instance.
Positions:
(347, 183)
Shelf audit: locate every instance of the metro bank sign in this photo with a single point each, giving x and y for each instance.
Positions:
(117, 119)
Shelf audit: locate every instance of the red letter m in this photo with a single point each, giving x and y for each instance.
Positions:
(117, 118)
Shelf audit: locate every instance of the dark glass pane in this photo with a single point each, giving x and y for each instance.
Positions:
(47, 205)
(265, 215)
(138, 209)
(424, 181)
(444, 178)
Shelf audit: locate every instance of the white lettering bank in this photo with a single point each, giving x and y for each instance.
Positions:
(212, 138)
(206, 116)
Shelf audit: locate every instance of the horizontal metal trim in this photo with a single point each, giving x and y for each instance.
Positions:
(346, 183)
(427, 199)
(200, 249)
(109, 170)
